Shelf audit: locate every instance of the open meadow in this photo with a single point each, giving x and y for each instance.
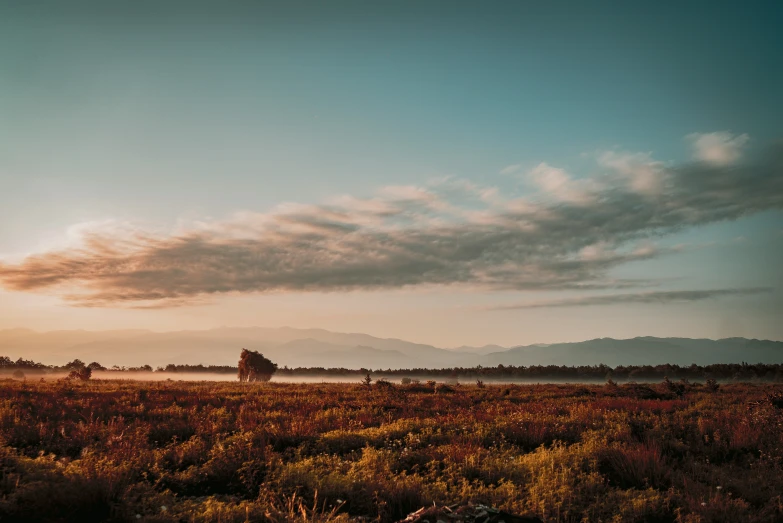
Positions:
(112, 450)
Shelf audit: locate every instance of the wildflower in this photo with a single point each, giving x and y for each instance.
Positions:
(703, 504)
(164, 508)
(719, 487)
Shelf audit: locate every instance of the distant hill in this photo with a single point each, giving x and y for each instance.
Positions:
(321, 348)
(285, 346)
(642, 351)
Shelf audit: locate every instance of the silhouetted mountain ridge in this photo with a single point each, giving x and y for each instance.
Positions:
(321, 348)
(643, 350)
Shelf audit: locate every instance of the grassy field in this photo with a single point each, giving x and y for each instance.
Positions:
(199, 451)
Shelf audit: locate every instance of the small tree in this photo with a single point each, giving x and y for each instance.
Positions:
(18, 374)
(95, 366)
(79, 371)
(367, 381)
(253, 366)
(83, 374)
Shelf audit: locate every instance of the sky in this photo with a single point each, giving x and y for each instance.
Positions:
(444, 172)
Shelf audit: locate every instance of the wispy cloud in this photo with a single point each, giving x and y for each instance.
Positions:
(557, 183)
(511, 169)
(409, 236)
(638, 170)
(720, 148)
(657, 297)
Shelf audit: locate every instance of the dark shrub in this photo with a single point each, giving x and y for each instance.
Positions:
(83, 374)
(253, 366)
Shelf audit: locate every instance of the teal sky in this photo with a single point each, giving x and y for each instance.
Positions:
(191, 121)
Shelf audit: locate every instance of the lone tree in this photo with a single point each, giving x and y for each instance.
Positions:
(83, 373)
(253, 366)
(79, 371)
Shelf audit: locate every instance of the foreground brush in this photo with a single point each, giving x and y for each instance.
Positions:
(465, 513)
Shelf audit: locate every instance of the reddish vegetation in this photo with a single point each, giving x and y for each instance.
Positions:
(172, 451)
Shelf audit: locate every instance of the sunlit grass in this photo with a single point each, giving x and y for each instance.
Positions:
(197, 451)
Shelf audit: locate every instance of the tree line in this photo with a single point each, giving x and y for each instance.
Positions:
(722, 371)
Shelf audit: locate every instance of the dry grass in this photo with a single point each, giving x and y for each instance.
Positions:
(198, 451)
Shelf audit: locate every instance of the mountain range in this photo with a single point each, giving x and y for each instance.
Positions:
(322, 348)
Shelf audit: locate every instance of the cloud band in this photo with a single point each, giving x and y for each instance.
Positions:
(412, 236)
